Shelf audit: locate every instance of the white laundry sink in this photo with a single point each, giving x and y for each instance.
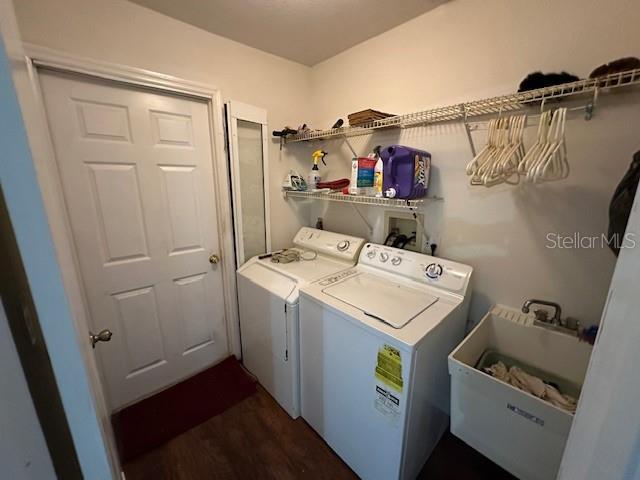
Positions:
(520, 432)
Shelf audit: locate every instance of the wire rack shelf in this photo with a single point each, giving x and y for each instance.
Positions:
(487, 106)
(360, 199)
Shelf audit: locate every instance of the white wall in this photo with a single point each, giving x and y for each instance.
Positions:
(122, 32)
(465, 50)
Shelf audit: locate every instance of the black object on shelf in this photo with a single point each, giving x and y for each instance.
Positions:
(284, 132)
(616, 66)
(541, 80)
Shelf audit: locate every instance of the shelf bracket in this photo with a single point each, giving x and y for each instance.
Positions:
(346, 140)
(589, 108)
(416, 216)
(467, 129)
(363, 218)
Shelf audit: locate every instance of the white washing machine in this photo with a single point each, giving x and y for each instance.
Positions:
(374, 341)
(268, 307)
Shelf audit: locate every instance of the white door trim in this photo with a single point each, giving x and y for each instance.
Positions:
(41, 57)
(242, 111)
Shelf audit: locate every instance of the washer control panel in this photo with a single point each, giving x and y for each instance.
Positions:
(329, 243)
(445, 274)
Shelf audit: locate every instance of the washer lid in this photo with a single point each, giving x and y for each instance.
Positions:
(391, 302)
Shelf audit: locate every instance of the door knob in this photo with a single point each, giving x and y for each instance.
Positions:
(214, 259)
(102, 336)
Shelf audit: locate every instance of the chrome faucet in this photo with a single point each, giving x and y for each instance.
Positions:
(541, 315)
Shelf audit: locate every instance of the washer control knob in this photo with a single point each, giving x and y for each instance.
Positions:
(343, 245)
(384, 256)
(371, 254)
(433, 271)
(396, 261)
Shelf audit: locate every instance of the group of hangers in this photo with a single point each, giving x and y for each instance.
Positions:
(504, 159)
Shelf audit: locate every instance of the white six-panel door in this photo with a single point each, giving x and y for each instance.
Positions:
(136, 171)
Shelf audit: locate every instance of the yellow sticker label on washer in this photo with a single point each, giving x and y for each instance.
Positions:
(389, 367)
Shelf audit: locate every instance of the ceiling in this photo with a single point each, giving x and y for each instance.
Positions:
(305, 31)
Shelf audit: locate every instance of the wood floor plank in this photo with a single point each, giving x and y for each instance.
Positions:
(256, 439)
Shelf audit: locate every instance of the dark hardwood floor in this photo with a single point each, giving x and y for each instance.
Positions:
(453, 459)
(256, 439)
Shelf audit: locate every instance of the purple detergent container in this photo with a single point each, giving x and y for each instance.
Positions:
(405, 172)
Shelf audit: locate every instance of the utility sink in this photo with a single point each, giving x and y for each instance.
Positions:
(520, 432)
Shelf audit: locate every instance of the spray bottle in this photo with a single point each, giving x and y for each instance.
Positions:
(314, 175)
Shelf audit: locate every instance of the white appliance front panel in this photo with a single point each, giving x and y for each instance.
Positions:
(391, 302)
(341, 396)
(268, 309)
(269, 334)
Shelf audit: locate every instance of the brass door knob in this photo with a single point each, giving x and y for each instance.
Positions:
(102, 336)
(214, 259)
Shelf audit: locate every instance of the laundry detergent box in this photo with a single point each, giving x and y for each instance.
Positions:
(362, 176)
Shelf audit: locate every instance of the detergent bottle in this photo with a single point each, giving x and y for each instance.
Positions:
(405, 172)
(314, 175)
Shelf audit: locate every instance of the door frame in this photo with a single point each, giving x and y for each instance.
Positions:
(242, 111)
(42, 58)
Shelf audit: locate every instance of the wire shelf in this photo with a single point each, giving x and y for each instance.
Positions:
(359, 199)
(462, 111)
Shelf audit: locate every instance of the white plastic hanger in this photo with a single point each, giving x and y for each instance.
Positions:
(556, 165)
(547, 147)
(483, 155)
(504, 166)
(552, 163)
(510, 159)
(504, 158)
(487, 172)
(531, 156)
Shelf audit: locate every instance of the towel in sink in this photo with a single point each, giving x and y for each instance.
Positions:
(520, 379)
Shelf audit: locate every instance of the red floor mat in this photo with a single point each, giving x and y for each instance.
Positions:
(153, 421)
